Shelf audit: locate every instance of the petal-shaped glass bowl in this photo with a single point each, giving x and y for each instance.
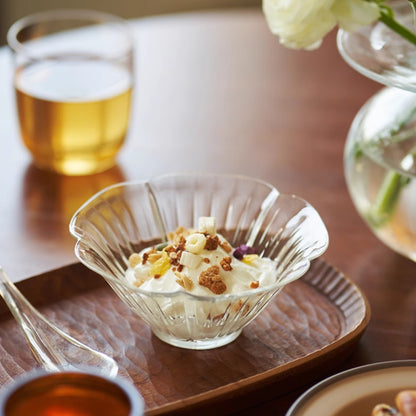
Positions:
(128, 217)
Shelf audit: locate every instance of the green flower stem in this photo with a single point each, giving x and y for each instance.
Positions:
(387, 198)
(401, 30)
(393, 182)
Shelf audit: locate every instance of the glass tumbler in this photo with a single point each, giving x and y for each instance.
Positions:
(75, 393)
(73, 81)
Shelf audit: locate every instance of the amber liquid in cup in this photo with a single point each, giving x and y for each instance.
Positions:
(67, 133)
(73, 81)
(69, 394)
(70, 402)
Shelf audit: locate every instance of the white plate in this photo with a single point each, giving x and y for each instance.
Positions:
(356, 391)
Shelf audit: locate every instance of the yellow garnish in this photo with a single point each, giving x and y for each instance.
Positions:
(161, 266)
(249, 258)
(154, 257)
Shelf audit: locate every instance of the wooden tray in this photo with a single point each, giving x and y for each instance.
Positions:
(307, 329)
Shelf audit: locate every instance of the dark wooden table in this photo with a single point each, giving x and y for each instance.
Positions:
(216, 92)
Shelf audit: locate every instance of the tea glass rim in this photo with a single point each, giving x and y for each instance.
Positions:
(88, 15)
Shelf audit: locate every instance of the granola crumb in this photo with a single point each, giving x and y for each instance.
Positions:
(212, 242)
(180, 282)
(173, 255)
(225, 246)
(181, 243)
(225, 263)
(185, 281)
(206, 260)
(179, 279)
(178, 234)
(211, 279)
(189, 284)
(254, 285)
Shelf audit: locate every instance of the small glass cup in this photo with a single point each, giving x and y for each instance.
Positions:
(73, 81)
(88, 393)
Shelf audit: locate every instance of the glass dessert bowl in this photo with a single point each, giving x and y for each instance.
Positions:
(126, 218)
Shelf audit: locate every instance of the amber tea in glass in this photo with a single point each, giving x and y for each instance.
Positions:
(73, 81)
(71, 394)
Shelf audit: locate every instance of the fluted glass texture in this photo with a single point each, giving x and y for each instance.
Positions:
(128, 217)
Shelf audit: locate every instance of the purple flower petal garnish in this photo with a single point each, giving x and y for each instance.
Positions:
(242, 250)
(238, 254)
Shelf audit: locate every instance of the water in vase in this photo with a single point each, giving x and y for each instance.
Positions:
(380, 167)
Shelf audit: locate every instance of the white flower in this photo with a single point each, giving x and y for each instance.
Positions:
(302, 24)
(353, 14)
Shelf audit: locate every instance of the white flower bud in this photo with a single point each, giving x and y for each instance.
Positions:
(302, 24)
(195, 243)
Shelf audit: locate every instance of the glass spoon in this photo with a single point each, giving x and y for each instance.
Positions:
(53, 348)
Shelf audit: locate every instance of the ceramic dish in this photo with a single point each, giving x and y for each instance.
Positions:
(357, 391)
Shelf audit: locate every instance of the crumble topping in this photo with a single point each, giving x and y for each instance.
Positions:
(145, 257)
(226, 246)
(211, 279)
(184, 280)
(226, 263)
(212, 242)
(200, 261)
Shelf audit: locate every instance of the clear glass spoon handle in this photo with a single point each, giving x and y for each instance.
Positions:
(53, 348)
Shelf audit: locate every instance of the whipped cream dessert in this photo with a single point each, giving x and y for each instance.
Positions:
(201, 262)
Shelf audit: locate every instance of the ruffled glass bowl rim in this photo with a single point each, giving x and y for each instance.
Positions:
(208, 298)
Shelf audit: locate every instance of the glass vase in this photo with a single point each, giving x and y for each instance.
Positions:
(380, 151)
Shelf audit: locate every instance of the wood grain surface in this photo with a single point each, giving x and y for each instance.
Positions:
(315, 320)
(216, 92)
